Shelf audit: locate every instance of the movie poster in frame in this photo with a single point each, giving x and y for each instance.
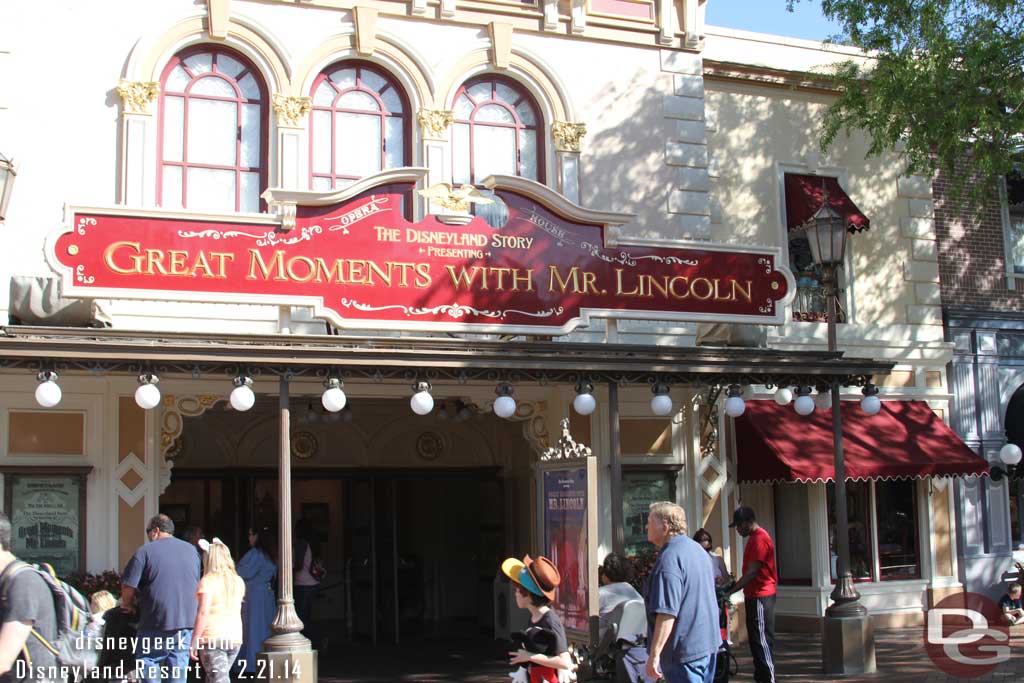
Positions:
(568, 516)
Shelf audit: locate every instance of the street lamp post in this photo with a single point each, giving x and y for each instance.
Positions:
(847, 640)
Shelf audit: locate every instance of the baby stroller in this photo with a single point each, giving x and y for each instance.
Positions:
(725, 662)
(621, 655)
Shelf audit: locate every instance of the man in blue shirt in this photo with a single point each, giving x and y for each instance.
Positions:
(682, 615)
(164, 575)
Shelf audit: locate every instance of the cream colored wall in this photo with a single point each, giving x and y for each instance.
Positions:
(758, 130)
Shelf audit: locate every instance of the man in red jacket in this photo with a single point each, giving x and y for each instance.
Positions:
(758, 583)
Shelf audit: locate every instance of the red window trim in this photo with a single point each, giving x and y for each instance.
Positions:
(405, 116)
(184, 164)
(524, 94)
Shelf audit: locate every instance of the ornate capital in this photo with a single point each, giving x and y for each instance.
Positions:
(290, 109)
(136, 95)
(568, 135)
(434, 121)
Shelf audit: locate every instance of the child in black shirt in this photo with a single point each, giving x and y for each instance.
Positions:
(542, 646)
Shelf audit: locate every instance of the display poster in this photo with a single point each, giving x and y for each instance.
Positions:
(45, 520)
(565, 537)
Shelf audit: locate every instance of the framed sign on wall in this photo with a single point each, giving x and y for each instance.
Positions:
(46, 506)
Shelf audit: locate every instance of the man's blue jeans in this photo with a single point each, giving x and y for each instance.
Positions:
(162, 656)
(697, 671)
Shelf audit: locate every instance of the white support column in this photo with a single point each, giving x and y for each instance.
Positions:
(437, 151)
(138, 139)
(292, 163)
(821, 560)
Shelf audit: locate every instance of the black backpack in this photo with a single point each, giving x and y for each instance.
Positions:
(71, 647)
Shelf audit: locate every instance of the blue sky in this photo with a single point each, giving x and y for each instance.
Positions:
(770, 16)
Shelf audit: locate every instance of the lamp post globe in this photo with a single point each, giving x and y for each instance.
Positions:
(735, 406)
(147, 396)
(48, 394)
(661, 405)
(804, 405)
(421, 402)
(1010, 454)
(242, 398)
(504, 406)
(783, 396)
(584, 404)
(334, 399)
(871, 405)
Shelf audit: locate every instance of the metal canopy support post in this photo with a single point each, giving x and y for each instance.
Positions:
(848, 643)
(618, 532)
(288, 655)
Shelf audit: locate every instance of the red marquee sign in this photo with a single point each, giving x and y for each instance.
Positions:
(355, 258)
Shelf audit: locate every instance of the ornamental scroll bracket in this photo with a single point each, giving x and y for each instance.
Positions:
(566, 448)
(291, 109)
(136, 95)
(568, 136)
(434, 122)
(535, 424)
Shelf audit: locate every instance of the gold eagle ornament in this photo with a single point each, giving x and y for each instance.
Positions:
(455, 199)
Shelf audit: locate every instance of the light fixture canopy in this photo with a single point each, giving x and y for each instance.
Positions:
(504, 405)
(804, 404)
(870, 404)
(48, 393)
(242, 397)
(7, 174)
(661, 403)
(783, 396)
(333, 398)
(734, 404)
(584, 403)
(147, 395)
(421, 402)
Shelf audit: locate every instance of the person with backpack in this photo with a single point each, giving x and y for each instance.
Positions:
(28, 616)
(160, 583)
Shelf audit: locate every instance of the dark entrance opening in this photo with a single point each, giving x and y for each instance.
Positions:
(410, 555)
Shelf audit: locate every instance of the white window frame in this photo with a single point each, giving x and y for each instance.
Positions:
(1004, 211)
(843, 178)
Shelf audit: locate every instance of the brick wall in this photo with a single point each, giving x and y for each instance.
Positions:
(972, 257)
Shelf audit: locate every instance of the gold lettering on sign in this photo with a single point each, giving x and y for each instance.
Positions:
(681, 287)
(129, 258)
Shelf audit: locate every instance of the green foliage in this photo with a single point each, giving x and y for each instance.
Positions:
(946, 84)
(87, 583)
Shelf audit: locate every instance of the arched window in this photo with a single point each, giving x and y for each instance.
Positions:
(495, 131)
(359, 125)
(212, 133)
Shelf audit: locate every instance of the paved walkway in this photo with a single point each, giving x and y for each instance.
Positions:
(900, 657)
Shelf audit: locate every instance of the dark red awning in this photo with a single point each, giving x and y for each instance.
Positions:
(804, 195)
(906, 439)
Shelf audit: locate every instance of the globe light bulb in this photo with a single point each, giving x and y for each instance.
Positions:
(333, 398)
(661, 405)
(870, 405)
(1010, 454)
(505, 406)
(584, 403)
(421, 402)
(147, 396)
(48, 393)
(783, 396)
(735, 406)
(804, 405)
(242, 397)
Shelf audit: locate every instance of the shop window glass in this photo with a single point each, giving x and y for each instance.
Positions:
(858, 509)
(639, 490)
(896, 511)
(495, 132)
(793, 550)
(810, 303)
(213, 132)
(358, 126)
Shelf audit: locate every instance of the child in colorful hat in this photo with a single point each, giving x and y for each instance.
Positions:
(543, 648)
